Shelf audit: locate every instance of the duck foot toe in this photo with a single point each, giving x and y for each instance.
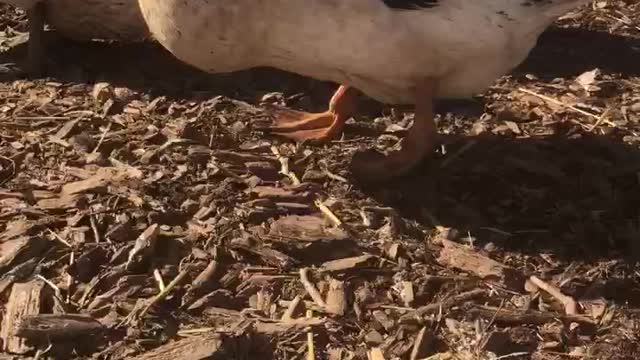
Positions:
(303, 126)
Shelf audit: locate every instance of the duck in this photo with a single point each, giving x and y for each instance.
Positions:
(398, 52)
(80, 20)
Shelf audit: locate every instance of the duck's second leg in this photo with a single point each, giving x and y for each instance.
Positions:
(420, 141)
(36, 52)
(298, 125)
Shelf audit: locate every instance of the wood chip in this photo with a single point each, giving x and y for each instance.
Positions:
(375, 354)
(144, 246)
(406, 293)
(336, 299)
(97, 183)
(346, 263)
(25, 299)
(198, 347)
(462, 257)
(203, 283)
(16, 251)
(58, 326)
(305, 228)
(63, 202)
(570, 305)
(420, 345)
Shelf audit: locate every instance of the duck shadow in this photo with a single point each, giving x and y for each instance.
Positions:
(567, 52)
(573, 196)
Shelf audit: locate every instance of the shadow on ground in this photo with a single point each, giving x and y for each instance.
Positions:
(568, 53)
(576, 197)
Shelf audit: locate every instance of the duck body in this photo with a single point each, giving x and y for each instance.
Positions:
(367, 44)
(395, 51)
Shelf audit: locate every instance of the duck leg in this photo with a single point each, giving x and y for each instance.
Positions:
(321, 127)
(420, 141)
(36, 53)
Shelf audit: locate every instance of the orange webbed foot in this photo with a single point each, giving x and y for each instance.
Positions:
(317, 127)
(303, 126)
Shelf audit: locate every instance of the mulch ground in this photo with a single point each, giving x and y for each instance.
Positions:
(142, 216)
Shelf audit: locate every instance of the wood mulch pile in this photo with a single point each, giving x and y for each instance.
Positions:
(142, 216)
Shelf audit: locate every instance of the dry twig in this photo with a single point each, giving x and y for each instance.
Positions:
(570, 305)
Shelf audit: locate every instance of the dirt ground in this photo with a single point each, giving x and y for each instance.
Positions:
(144, 217)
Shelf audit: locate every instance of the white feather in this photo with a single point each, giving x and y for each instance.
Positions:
(464, 44)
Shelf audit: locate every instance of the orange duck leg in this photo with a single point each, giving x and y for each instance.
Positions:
(318, 127)
(420, 141)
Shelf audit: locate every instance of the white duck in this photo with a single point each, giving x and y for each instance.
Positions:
(395, 51)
